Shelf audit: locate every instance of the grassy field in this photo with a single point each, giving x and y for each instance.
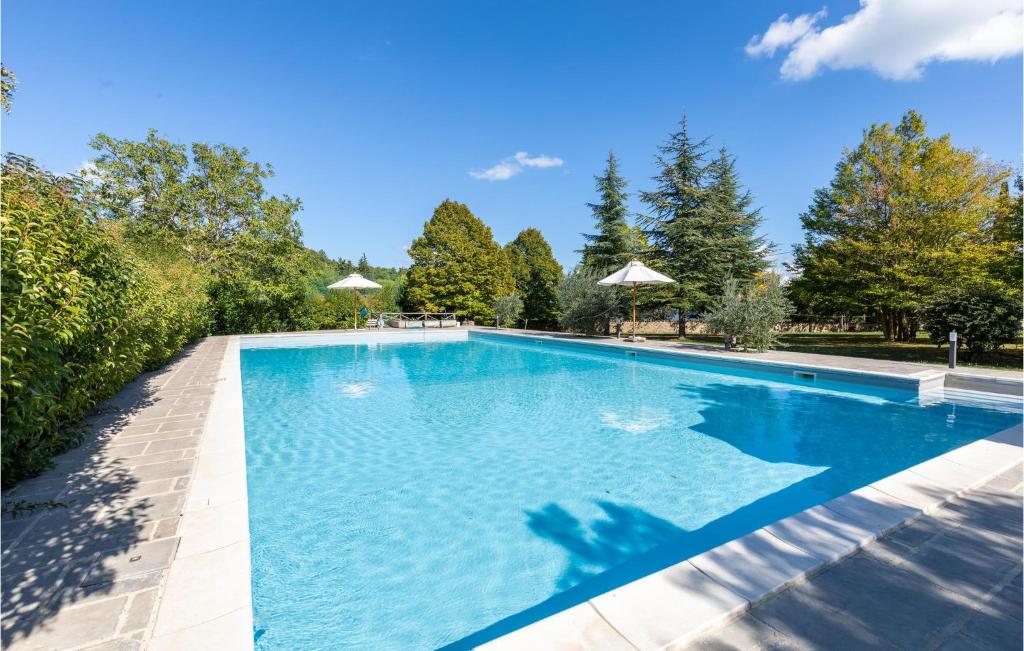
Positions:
(871, 344)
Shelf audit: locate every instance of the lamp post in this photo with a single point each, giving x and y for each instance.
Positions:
(952, 349)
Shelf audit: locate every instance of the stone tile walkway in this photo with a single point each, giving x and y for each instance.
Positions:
(949, 580)
(87, 544)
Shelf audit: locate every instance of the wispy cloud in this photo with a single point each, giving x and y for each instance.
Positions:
(895, 38)
(506, 168)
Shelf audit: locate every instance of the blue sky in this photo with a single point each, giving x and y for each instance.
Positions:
(373, 113)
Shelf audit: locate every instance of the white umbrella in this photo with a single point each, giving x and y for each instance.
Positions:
(354, 282)
(635, 273)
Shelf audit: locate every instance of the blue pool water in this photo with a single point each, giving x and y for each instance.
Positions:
(413, 496)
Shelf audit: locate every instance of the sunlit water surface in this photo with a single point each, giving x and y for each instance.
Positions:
(412, 496)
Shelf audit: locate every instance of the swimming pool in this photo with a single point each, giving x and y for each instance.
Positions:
(421, 495)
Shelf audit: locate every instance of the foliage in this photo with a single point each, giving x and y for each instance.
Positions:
(983, 316)
(211, 198)
(584, 306)
(8, 82)
(83, 313)
(700, 226)
(611, 247)
(727, 313)
(508, 309)
(457, 266)
(905, 216)
(536, 275)
(752, 313)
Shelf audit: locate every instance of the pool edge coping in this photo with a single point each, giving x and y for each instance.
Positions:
(207, 596)
(924, 379)
(621, 617)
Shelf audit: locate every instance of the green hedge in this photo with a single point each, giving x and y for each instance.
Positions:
(83, 313)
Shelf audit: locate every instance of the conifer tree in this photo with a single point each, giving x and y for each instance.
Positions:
(678, 226)
(741, 253)
(609, 248)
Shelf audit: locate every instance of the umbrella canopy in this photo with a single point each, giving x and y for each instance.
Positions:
(354, 282)
(633, 274)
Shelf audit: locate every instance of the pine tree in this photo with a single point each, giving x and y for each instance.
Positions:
(741, 253)
(364, 265)
(678, 226)
(536, 274)
(610, 247)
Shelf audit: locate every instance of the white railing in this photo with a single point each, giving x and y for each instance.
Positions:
(414, 319)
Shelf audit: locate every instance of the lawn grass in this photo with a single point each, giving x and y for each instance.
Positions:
(871, 344)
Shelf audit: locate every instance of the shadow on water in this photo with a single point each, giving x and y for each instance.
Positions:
(811, 429)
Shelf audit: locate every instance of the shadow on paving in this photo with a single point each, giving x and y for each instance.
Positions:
(628, 543)
(949, 580)
(70, 533)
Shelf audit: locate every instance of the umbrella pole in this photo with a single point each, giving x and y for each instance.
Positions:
(355, 310)
(634, 311)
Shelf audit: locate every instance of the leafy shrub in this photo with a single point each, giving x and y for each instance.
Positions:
(752, 314)
(584, 306)
(82, 314)
(983, 316)
(507, 309)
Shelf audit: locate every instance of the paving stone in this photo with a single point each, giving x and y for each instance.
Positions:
(747, 633)
(69, 627)
(896, 604)
(163, 470)
(809, 622)
(140, 611)
(173, 444)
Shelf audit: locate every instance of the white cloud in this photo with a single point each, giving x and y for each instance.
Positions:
(524, 159)
(895, 38)
(783, 33)
(509, 167)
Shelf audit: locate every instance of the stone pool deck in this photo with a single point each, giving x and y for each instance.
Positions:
(153, 504)
(949, 580)
(87, 545)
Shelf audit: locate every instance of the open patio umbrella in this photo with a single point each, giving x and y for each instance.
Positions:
(635, 273)
(355, 282)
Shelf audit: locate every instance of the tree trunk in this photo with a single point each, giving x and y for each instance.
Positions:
(682, 323)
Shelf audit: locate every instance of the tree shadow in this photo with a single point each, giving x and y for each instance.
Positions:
(72, 534)
(811, 428)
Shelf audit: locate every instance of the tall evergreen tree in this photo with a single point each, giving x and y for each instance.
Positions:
(741, 253)
(536, 274)
(364, 264)
(678, 228)
(610, 247)
(457, 265)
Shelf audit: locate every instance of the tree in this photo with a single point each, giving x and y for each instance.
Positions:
(507, 309)
(1006, 231)
(457, 266)
(8, 82)
(905, 216)
(584, 306)
(211, 199)
(611, 247)
(983, 316)
(677, 225)
(536, 275)
(751, 312)
(701, 225)
(364, 265)
(739, 251)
